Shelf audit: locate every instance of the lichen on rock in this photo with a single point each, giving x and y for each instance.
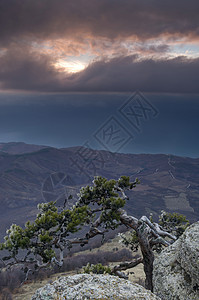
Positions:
(176, 269)
(87, 286)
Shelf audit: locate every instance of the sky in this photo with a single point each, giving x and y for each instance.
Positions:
(80, 72)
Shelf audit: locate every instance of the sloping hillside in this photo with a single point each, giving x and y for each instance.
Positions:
(167, 182)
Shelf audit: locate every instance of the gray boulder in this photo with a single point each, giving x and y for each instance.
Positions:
(176, 269)
(86, 286)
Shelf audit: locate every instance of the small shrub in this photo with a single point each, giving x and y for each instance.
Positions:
(96, 269)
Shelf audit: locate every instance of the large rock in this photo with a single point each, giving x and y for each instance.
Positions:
(176, 269)
(86, 286)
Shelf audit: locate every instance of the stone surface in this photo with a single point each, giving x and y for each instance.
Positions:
(87, 286)
(176, 269)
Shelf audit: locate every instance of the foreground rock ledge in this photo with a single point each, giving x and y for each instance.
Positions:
(176, 269)
(86, 286)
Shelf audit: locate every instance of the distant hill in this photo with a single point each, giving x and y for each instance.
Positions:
(19, 147)
(44, 173)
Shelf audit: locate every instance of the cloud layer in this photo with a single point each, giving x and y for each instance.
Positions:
(111, 19)
(127, 44)
(29, 71)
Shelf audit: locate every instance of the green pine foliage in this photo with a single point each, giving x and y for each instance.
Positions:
(96, 269)
(173, 222)
(40, 238)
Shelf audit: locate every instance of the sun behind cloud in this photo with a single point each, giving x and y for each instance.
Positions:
(74, 66)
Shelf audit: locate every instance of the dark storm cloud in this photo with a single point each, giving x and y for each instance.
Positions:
(49, 19)
(127, 73)
(35, 34)
(26, 70)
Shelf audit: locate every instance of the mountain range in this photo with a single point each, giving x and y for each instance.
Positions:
(31, 174)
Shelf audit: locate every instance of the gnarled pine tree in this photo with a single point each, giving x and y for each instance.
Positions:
(100, 206)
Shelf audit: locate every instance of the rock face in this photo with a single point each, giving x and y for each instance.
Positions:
(176, 269)
(86, 286)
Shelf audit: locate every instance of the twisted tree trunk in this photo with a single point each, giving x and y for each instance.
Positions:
(148, 259)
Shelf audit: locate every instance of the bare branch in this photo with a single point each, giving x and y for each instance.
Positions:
(26, 277)
(156, 228)
(159, 240)
(127, 265)
(128, 220)
(119, 189)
